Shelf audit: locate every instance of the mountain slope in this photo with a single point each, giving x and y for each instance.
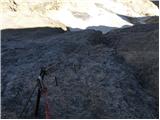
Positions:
(94, 81)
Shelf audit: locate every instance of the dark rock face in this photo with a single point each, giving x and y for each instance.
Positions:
(139, 46)
(156, 3)
(94, 81)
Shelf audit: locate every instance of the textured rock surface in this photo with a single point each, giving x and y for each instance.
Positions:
(139, 46)
(94, 81)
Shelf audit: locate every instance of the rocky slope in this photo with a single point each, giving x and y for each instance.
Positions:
(75, 13)
(139, 46)
(113, 75)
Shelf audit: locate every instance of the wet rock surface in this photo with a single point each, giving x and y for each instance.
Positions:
(94, 79)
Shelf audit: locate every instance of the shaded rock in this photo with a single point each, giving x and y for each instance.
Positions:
(154, 19)
(93, 82)
(156, 3)
(139, 46)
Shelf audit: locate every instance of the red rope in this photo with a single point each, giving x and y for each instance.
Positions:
(47, 113)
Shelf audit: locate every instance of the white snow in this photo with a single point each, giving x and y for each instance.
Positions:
(81, 14)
